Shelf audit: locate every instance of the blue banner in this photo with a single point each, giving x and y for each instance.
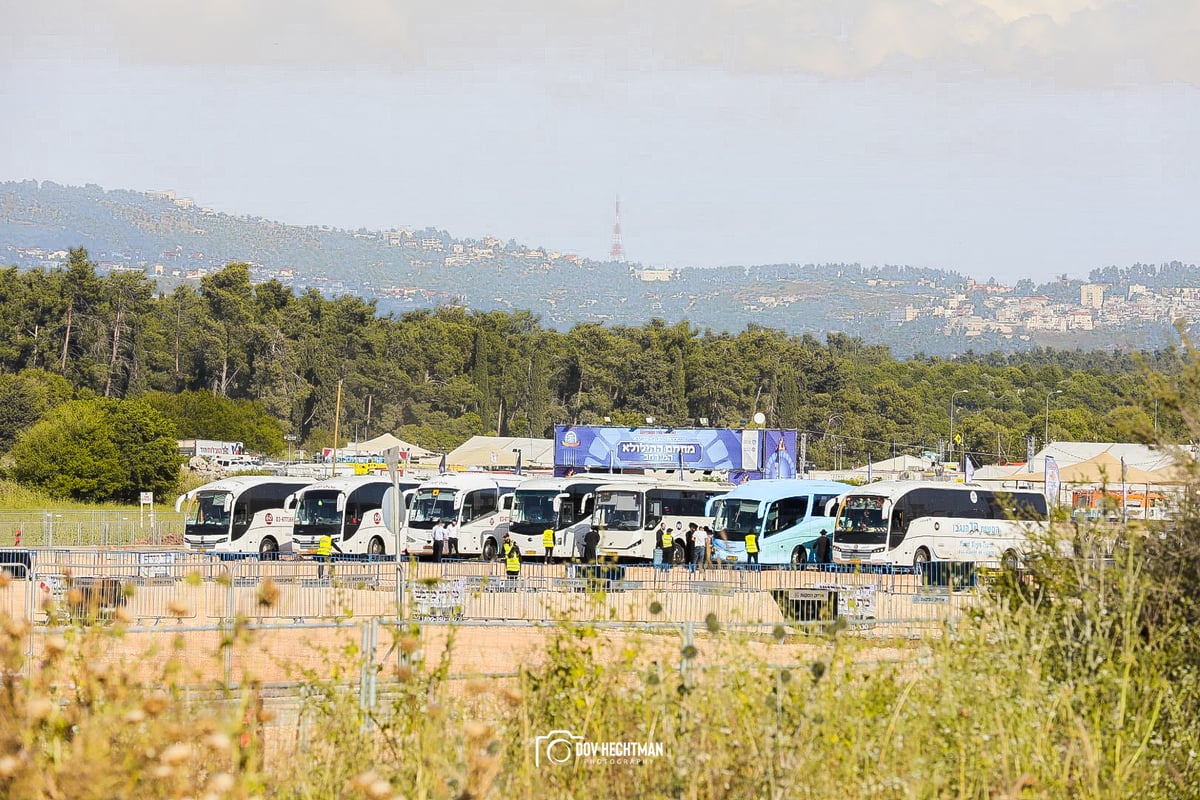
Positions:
(745, 454)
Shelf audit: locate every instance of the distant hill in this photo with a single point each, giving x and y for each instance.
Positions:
(173, 239)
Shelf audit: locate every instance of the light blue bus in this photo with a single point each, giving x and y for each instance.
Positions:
(787, 514)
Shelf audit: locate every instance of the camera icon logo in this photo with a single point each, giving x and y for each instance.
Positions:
(555, 747)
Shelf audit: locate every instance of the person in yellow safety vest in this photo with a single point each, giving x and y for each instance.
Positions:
(512, 558)
(667, 542)
(751, 548)
(548, 544)
(325, 548)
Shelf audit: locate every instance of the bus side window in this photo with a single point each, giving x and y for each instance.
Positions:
(353, 517)
(654, 513)
(242, 513)
(902, 515)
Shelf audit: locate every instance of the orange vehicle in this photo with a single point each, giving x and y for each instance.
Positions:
(1106, 504)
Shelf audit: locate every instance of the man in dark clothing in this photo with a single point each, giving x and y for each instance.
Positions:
(591, 541)
(689, 544)
(824, 548)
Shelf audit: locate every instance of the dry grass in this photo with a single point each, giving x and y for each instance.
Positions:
(995, 707)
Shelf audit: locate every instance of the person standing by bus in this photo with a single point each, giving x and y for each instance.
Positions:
(452, 538)
(325, 547)
(752, 548)
(689, 545)
(439, 539)
(512, 558)
(667, 542)
(548, 545)
(703, 542)
(823, 548)
(591, 542)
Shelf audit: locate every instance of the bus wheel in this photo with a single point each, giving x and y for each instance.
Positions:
(376, 548)
(921, 564)
(799, 557)
(268, 550)
(489, 550)
(678, 555)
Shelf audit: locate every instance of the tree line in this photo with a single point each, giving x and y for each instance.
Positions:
(229, 359)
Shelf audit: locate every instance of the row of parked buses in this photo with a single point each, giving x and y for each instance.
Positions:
(892, 522)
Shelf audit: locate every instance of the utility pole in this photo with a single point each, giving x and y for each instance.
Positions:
(337, 418)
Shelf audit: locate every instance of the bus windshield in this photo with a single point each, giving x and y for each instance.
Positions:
(862, 519)
(619, 511)
(210, 509)
(736, 518)
(534, 508)
(431, 505)
(318, 508)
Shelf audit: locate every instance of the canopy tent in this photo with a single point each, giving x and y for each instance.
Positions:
(1101, 468)
(497, 452)
(893, 466)
(381, 444)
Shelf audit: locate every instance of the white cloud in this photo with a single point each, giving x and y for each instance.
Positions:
(1065, 42)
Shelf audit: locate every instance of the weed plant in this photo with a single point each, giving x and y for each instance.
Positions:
(1059, 686)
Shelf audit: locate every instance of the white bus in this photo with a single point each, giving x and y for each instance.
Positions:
(787, 515)
(349, 509)
(628, 514)
(248, 515)
(912, 523)
(479, 502)
(562, 504)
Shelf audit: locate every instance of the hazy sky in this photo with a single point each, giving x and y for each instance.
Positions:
(1006, 138)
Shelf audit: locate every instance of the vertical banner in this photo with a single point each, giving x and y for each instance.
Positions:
(1124, 507)
(751, 457)
(870, 469)
(1052, 482)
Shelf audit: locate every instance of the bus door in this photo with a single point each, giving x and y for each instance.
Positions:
(565, 528)
(784, 530)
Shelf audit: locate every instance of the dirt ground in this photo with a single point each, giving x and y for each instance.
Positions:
(304, 626)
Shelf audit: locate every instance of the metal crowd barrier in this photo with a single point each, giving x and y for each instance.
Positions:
(156, 587)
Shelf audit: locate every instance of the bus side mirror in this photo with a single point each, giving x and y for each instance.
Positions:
(179, 501)
(341, 501)
(289, 502)
(556, 503)
(228, 504)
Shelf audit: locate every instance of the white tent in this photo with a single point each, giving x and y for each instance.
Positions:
(380, 444)
(891, 467)
(499, 452)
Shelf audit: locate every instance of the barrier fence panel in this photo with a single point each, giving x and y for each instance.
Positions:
(155, 586)
(90, 528)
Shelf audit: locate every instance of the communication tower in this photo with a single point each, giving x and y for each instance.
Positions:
(617, 253)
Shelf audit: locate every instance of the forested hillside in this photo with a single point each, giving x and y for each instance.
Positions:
(248, 362)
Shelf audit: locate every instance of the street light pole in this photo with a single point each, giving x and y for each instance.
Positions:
(952, 394)
(1046, 435)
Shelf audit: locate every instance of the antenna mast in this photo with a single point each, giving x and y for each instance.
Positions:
(617, 253)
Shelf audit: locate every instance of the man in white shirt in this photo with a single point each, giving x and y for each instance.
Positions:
(452, 538)
(439, 539)
(702, 537)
